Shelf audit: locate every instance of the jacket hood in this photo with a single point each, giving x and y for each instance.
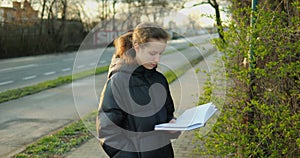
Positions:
(115, 66)
(120, 65)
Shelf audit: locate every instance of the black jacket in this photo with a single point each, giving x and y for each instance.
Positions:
(132, 102)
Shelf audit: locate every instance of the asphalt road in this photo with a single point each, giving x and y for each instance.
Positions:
(20, 72)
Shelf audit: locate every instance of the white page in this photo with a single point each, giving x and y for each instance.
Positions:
(194, 117)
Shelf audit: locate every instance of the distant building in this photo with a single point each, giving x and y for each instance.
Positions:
(18, 14)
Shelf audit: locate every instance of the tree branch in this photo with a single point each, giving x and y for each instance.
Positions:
(201, 3)
(213, 5)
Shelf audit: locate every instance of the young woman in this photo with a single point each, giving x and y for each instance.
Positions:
(136, 97)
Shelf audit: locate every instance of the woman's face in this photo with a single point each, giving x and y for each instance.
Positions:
(149, 54)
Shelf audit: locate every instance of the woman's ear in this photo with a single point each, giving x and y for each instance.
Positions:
(136, 47)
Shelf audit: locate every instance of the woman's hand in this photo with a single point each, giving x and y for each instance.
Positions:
(172, 121)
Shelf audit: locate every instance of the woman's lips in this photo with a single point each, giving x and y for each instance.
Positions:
(153, 65)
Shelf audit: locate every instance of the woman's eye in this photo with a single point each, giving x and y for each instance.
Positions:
(153, 53)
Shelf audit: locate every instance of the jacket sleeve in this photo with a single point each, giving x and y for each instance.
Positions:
(110, 116)
(169, 102)
(170, 113)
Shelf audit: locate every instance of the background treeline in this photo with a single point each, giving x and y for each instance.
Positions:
(58, 28)
(260, 116)
(63, 24)
(17, 39)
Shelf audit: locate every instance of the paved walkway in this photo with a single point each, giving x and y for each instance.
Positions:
(185, 92)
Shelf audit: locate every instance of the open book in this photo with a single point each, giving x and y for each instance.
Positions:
(190, 119)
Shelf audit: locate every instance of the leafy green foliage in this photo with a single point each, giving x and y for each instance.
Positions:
(261, 115)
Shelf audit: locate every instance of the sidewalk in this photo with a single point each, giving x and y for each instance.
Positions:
(185, 94)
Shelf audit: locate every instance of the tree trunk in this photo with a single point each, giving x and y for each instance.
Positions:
(41, 43)
(215, 5)
(114, 14)
(60, 33)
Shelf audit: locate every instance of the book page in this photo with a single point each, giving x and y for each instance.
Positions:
(209, 112)
(190, 116)
(193, 117)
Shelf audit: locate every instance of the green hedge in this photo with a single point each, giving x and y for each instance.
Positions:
(261, 115)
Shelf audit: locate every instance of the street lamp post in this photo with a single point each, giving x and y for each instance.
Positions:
(252, 25)
(252, 62)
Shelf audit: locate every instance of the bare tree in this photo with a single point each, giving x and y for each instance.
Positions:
(83, 17)
(136, 11)
(59, 34)
(41, 24)
(215, 5)
(114, 14)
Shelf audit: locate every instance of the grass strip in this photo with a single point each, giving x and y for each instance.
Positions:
(75, 134)
(60, 142)
(21, 92)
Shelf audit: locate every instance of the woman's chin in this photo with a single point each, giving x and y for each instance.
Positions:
(150, 66)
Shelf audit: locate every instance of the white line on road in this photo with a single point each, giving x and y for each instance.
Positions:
(69, 59)
(29, 77)
(18, 67)
(66, 69)
(103, 61)
(80, 66)
(6, 82)
(93, 64)
(49, 73)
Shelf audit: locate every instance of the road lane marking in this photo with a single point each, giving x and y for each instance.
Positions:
(49, 73)
(18, 67)
(102, 61)
(29, 77)
(69, 59)
(80, 66)
(66, 69)
(6, 82)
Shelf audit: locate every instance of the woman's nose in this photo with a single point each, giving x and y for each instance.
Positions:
(157, 58)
